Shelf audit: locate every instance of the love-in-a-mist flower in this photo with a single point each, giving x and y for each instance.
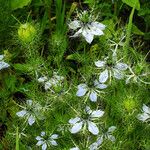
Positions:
(3, 64)
(86, 120)
(136, 77)
(106, 135)
(90, 91)
(30, 112)
(54, 81)
(46, 141)
(145, 116)
(86, 27)
(111, 68)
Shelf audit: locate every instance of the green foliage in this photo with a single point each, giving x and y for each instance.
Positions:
(132, 3)
(47, 64)
(15, 4)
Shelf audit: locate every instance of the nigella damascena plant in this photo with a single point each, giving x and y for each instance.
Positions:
(145, 115)
(46, 141)
(105, 136)
(86, 120)
(31, 112)
(111, 68)
(136, 75)
(90, 91)
(86, 27)
(55, 80)
(3, 64)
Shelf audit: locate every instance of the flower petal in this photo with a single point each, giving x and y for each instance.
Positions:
(3, 65)
(54, 136)
(111, 137)
(42, 133)
(38, 138)
(21, 113)
(42, 79)
(77, 33)
(1, 57)
(118, 74)
(87, 35)
(48, 84)
(44, 146)
(143, 117)
(97, 113)
(76, 127)
(82, 89)
(100, 63)
(121, 66)
(74, 120)
(100, 140)
(98, 25)
(93, 128)
(103, 76)
(93, 146)
(53, 142)
(39, 143)
(146, 109)
(74, 25)
(93, 96)
(95, 31)
(99, 85)
(111, 129)
(88, 110)
(31, 120)
(29, 102)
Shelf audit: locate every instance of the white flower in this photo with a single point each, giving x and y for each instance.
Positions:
(108, 135)
(145, 116)
(46, 141)
(95, 145)
(100, 139)
(86, 29)
(54, 81)
(3, 64)
(30, 112)
(87, 120)
(91, 92)
(136, 77)
(111, 68)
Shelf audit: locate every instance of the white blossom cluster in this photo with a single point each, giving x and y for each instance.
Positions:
(88, 120)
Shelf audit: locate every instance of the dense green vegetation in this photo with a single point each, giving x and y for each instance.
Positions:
(74, 75)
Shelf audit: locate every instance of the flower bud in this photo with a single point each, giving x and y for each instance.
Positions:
(26, 32)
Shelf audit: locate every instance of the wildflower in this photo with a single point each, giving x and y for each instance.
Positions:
(26, 32)
(30, 112)
(54, 81)
(145, 116)
(86, 120)
(106, 135)
(111, 68)
(46, 141)
(91, 92)
(86, 27)
(136, 77)
(3, 64)
(95, 145)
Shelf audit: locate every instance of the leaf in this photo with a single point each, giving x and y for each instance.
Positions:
(23, 67)
(132, 3)
(15, 4)
(136, 31)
